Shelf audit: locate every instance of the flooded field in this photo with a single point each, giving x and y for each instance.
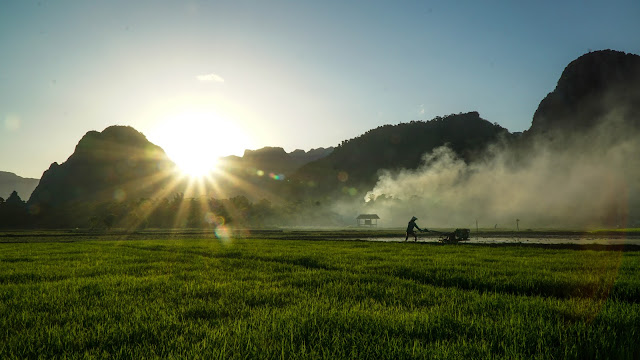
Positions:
(576, 240)
(559, 237)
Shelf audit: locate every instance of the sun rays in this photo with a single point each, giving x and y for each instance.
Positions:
(200, 191)
(218, 202)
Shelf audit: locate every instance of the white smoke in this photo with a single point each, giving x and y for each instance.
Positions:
(586, 181)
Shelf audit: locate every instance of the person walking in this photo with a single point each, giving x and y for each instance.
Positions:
(410, 226)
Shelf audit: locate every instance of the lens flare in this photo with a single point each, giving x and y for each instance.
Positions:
(223, 233)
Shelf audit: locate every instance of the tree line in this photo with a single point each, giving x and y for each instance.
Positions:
(173, 212)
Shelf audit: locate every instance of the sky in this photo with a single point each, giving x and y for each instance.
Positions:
(216, 77)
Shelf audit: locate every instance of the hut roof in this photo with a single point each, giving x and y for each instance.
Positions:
(368, 216)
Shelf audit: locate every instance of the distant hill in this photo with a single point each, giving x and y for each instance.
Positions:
(10, 182)
(596, 87)
(274, 159)
(121, 162)
(303, 157)
(592, 114)
(116, 163)
(356, 162)
(262, 173)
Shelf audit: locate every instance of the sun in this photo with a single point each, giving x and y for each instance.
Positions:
(195, 140)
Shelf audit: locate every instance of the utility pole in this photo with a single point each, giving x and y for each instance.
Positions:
(517, 225)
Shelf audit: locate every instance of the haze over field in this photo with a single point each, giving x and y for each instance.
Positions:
(575, 167)
(593, 180)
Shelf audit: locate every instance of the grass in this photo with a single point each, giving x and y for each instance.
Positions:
(172, 297)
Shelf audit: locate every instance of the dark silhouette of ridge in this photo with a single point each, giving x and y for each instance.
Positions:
(356, 162)
(263, 173)
(274, 159)
(591, 90)
(116, 162)
(303, 157)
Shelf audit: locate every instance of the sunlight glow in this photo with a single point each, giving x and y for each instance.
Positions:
(196, 139)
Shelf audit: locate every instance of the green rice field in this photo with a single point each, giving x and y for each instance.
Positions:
(278, 297)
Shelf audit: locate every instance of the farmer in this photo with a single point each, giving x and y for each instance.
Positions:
(410, 226)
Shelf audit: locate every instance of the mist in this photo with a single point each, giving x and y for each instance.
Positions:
(583, 180)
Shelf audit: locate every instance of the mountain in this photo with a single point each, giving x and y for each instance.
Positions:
(121, 162)
(10, 182)
(355, 164)
(116, 163)
(597, 97)
(262, 173)
(302, 157)
(274, 159)
(592, 89)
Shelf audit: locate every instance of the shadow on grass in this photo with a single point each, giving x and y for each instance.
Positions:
(16, 260)
(542, 287)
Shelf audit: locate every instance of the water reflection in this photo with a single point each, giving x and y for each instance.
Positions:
(525, 240)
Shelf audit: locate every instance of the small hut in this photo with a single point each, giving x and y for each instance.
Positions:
(367, 220)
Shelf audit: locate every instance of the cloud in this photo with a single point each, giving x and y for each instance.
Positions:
(421, 109)
(210, 78)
